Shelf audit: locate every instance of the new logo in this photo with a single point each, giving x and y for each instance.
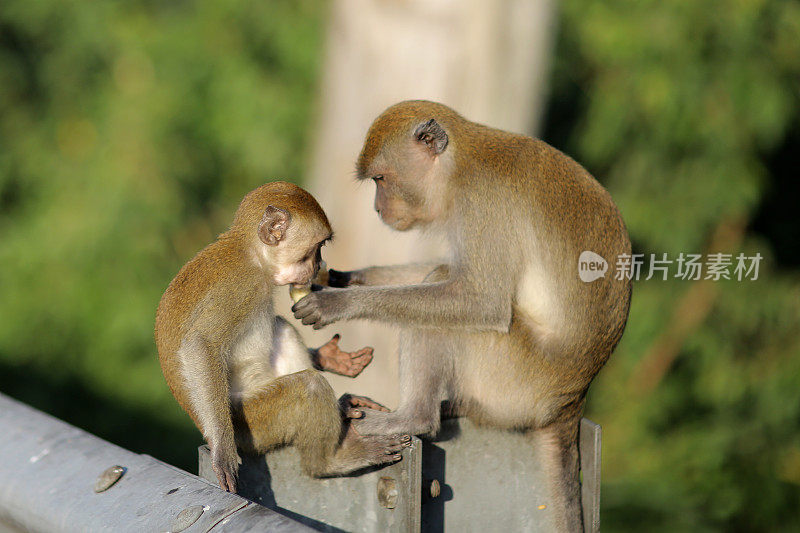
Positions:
(591, 266)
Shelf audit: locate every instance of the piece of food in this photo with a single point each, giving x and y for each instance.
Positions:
(297, 293)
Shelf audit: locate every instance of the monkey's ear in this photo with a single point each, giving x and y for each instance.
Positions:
(273, 225)
(433, 136)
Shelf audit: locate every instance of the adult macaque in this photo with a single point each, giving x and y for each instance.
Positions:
(505, 329)
(242, 373)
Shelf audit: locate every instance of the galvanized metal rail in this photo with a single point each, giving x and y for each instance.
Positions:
(466, 478)
(57, 478)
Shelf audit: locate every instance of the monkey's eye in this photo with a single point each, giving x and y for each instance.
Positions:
(377, 178)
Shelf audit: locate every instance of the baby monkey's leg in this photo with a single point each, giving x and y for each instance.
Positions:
(301, 409)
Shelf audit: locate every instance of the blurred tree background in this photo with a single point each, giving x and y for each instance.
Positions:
(130, 130)
(688, 113)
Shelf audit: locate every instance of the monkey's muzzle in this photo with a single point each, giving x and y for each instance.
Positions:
(298, 292)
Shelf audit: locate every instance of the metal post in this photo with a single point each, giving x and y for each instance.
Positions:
(466, 478)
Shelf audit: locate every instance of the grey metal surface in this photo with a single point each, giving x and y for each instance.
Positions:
(590, 445)
(336, 504)
(49, 469)
(492, 480)
(488, 480)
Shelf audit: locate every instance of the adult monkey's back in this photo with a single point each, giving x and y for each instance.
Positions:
(505, 329)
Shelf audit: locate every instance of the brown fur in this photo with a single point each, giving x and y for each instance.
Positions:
(215, 328)
(508, 332)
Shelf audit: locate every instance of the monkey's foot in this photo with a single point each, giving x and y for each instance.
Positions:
(379, 450)
(382, 423)
(357, 452)
(350, 404)
(331, 358)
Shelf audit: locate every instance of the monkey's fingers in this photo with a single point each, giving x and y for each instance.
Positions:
(363, 401)
(367, 352)
(230, 482)
(332, 359)
(311, 310)
(357, 364)
(226, 478)
(311, 319)
(347, 408)
(346, 367)
(303, 306)
(318, 324)
(332, 346)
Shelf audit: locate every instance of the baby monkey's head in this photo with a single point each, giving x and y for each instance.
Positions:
(288, 229)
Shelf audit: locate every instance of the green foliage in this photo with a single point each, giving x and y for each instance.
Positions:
(124, 126)
(129, 129)
(682, 109)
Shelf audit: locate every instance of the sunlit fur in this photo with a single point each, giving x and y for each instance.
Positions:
(243, 374)
(507, 331)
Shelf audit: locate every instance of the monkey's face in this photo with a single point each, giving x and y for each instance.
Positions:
(406, 195)
(297, 258)
(292, 246)
(410, 172)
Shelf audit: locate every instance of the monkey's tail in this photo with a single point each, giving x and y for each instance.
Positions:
(557, 448)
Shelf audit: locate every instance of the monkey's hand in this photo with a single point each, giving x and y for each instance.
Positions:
(340, 278)
(225, 463)
(350, 404)
(331, 358)
(321, 308)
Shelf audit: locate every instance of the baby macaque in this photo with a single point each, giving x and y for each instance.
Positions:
(242, 373)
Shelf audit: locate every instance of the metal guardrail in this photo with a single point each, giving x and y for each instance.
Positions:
(57, 478)
(466, 478)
